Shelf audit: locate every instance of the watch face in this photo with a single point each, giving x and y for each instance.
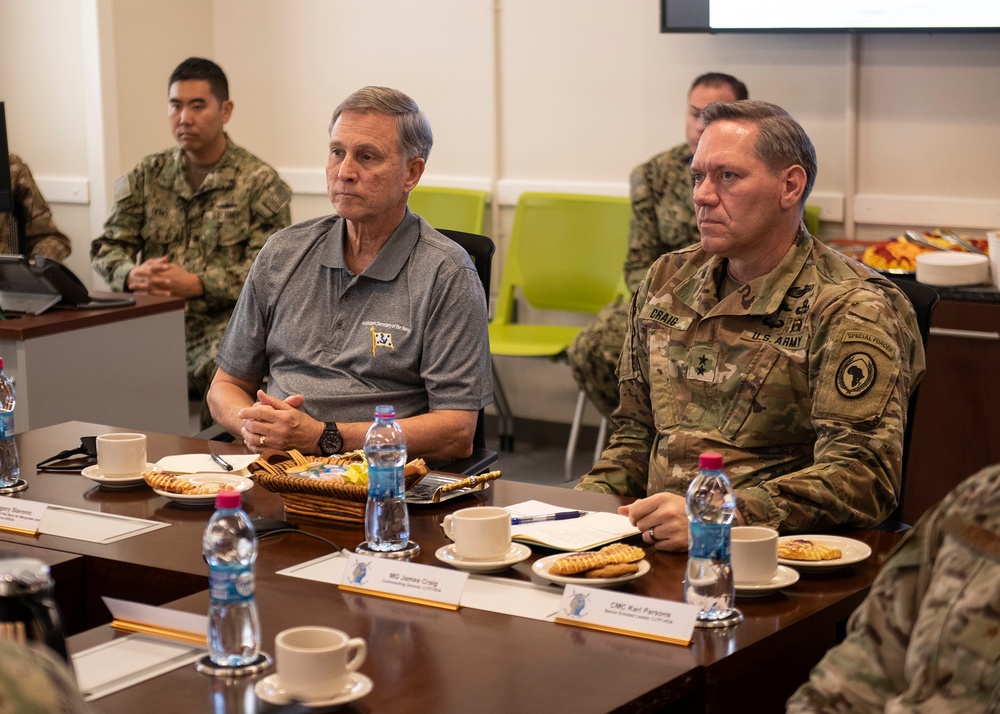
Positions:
(332, 442)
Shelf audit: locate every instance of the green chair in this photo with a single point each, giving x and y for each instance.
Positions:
(459, 209)
(566, 253)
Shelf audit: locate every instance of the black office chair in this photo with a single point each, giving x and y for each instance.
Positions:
(924, 299)
(480, 249)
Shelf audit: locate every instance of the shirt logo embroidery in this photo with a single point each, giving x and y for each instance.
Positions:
(875, 341)
(856, 375)
(381, 339)
(791, 341)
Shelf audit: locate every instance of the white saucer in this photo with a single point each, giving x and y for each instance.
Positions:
(783, 578)
(94, 474)
(358, 685)
(517, 553)
(541, 568)
(851, 551)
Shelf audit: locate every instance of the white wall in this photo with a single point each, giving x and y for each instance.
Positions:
(561, 94)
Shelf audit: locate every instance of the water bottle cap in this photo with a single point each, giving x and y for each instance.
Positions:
(710, 460)
(228, 499)
(385, 411)
(1, 363)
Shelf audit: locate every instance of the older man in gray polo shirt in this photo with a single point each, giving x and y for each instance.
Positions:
(368, 306)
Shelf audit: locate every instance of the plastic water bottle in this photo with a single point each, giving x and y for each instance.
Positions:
(387, 522)
(711, 505)
(10, 467)
(230, 550)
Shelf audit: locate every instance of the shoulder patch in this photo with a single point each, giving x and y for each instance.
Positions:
(874, 340)
(277, 198)
(123, 188)
(856, 375)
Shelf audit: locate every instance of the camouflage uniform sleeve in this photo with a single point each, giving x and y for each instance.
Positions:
(927, 637)
(41, 236)
(115, 253)
(270, 212)
(624, 465)
(860, 378)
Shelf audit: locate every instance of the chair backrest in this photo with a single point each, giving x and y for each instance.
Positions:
(480, 249)
(460, 209)
(924, 299)
(566, 252)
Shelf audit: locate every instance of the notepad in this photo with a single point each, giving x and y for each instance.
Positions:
(573, 534)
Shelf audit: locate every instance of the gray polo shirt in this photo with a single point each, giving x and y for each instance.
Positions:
(410, 331)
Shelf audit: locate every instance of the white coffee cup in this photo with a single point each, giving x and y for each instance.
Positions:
(314, 663)
(120, 455)
(481, 533)
(754, 553)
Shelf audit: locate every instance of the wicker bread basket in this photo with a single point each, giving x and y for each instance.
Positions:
(341, 502)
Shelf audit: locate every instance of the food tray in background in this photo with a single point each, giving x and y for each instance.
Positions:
(423, 493)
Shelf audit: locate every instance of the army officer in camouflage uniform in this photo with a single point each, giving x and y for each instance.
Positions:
(189, 221)
(29, 228)
(662, 220)
(927, 637)
(763, 344)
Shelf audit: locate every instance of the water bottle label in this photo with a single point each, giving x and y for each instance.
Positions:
(710, 541)
(384, 482)
(230, 584)
(6, 425)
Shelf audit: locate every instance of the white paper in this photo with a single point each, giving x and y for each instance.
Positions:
(93, 526)
(21, 514)
(481, 592)
(202, 463)
(157, 616)
(628, 613)
(581, 533)
(400, 578)
(127, 661)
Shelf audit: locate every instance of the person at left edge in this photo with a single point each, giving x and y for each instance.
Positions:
(29, 228)
(189, 221)
(364, 307)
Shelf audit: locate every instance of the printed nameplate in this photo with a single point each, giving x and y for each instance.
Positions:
(400, 580)
(610, 611)
(20, 516)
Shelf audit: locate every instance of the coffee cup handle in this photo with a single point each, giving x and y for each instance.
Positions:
(360, 653)
(448, 526)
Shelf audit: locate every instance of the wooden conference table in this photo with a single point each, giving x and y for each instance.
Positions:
(425, 659)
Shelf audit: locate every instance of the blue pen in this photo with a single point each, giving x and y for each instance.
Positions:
(561, 516)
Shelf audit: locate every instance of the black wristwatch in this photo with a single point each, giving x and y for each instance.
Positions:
(331, 442)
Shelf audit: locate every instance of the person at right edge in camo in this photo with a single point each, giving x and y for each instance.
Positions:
(926, 640)
(791, 360)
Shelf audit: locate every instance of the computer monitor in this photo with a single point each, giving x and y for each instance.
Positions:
(6, 193)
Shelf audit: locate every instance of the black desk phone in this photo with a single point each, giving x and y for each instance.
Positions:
(33, 287)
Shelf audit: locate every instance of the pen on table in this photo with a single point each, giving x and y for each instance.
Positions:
(222, 462)
(561, 516)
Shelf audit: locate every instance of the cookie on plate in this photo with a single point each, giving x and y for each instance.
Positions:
(803, 549)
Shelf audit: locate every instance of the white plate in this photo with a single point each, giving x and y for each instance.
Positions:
(203, 464)
(358, 685)
(541, 568)
(94, 474)
(783, 578)
(233, 483)
(852, 551)
(517, 553)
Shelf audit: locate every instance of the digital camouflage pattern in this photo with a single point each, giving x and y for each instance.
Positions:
(29, 228)
(34, 681)
(663, 219)
(214, 232)
(926, 640)
(800, 379)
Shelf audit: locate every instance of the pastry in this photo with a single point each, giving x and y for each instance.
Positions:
(612, 571)
(576, 563)
(163, 481)
(802, 549)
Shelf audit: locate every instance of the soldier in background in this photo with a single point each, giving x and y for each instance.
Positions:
(662, 220)
(763, 344)
(34, 681)
(29, 229)
(927, 637)
(189, 221)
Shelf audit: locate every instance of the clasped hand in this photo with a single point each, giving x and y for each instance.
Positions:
(662, 520)
(272, 423)
(158, 276)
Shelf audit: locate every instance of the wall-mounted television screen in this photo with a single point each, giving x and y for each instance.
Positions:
(829, 15)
